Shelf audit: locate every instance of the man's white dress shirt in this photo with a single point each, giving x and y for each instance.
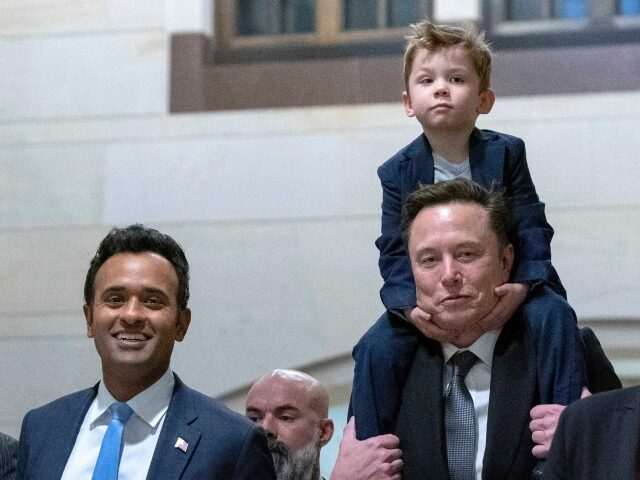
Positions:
(478, 381)
(140, 434)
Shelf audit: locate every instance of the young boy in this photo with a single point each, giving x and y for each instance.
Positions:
(447, 74)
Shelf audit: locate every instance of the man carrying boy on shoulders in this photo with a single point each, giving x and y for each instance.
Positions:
(447, 74)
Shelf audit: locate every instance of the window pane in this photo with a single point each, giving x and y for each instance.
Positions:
(273, 17)
(528, 10)
(525, 10)
(299, 16)
(403, 12)
(570, 9)
(360, 14)
(628, 7)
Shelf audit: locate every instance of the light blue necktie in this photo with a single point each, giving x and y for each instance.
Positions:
(109, 456)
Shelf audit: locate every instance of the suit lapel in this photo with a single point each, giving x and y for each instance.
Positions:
(419, 169)
(169, 460)
(513, 387)
(63, 430)
(420, 422)
(486, 159)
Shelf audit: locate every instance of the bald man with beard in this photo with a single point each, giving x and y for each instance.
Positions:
(293, 407)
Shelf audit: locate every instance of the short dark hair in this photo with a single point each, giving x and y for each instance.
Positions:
(459, 190)
(137, 239)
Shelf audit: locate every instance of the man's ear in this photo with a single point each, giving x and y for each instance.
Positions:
(507, 261)
(406, 102)
(86, 309)
(183, 321)
(326, 431)
(487, 99)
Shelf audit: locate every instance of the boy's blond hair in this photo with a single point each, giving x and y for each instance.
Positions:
(425, 35)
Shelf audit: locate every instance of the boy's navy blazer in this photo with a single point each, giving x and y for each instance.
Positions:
(497, 160)
(221, 444)
(598, 438)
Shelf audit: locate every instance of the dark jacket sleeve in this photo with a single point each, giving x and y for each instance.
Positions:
(531, 233)
(556, 467)
(398, 290)
(254, 461)
(8, 452)
(600, 373)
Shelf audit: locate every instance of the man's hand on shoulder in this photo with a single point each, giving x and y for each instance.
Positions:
(544, 421)
(511, 296)
(377, 458)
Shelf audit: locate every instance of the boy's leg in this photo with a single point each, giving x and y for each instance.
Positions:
(559, 355)
(383, 356)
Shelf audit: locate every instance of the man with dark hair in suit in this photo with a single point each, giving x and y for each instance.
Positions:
(465, 407)
(140, 421)
(8, 450)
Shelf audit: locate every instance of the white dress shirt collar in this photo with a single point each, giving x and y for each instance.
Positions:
(150, 404)
(483, 347)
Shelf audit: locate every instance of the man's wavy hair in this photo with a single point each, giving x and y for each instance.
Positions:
(460, 190)
(137, 239)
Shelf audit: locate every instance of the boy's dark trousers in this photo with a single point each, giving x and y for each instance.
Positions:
(385, 353)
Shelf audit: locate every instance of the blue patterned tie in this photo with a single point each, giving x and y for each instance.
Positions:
(109, 456)
(460, 420)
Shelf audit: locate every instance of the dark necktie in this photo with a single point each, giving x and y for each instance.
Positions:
(109, 456)
(460, 420)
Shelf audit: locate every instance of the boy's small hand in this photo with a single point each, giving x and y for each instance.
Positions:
(424, 322)
(511, 297)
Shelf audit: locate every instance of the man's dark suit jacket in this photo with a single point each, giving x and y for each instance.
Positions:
(222, 445)
(598, 438)
(8, 450)
(513, 393)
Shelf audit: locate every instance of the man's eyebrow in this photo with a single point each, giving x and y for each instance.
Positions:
(287, 407)
(470, 244)
(423, 250)
(122, 288)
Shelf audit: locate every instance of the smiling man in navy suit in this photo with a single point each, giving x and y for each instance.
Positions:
(136, 294)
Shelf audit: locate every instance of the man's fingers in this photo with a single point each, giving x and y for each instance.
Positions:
(542, 436)
(396, 465)
(540, 451)
(544, 410)
(387, 441)
(585, 393)
(349, 430)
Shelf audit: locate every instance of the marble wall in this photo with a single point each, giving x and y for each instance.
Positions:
(277, 209)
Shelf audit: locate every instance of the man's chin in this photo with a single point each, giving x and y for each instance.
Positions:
(455, 321)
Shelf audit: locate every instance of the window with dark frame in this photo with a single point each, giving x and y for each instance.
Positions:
(355, 27)
(526, 24)
(241, 22)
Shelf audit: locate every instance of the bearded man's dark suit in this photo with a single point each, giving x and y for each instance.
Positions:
(598, 438)
(513, 393)
(8, 451)
(222, 445)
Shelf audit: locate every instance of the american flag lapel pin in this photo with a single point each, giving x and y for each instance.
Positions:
(181, 444)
